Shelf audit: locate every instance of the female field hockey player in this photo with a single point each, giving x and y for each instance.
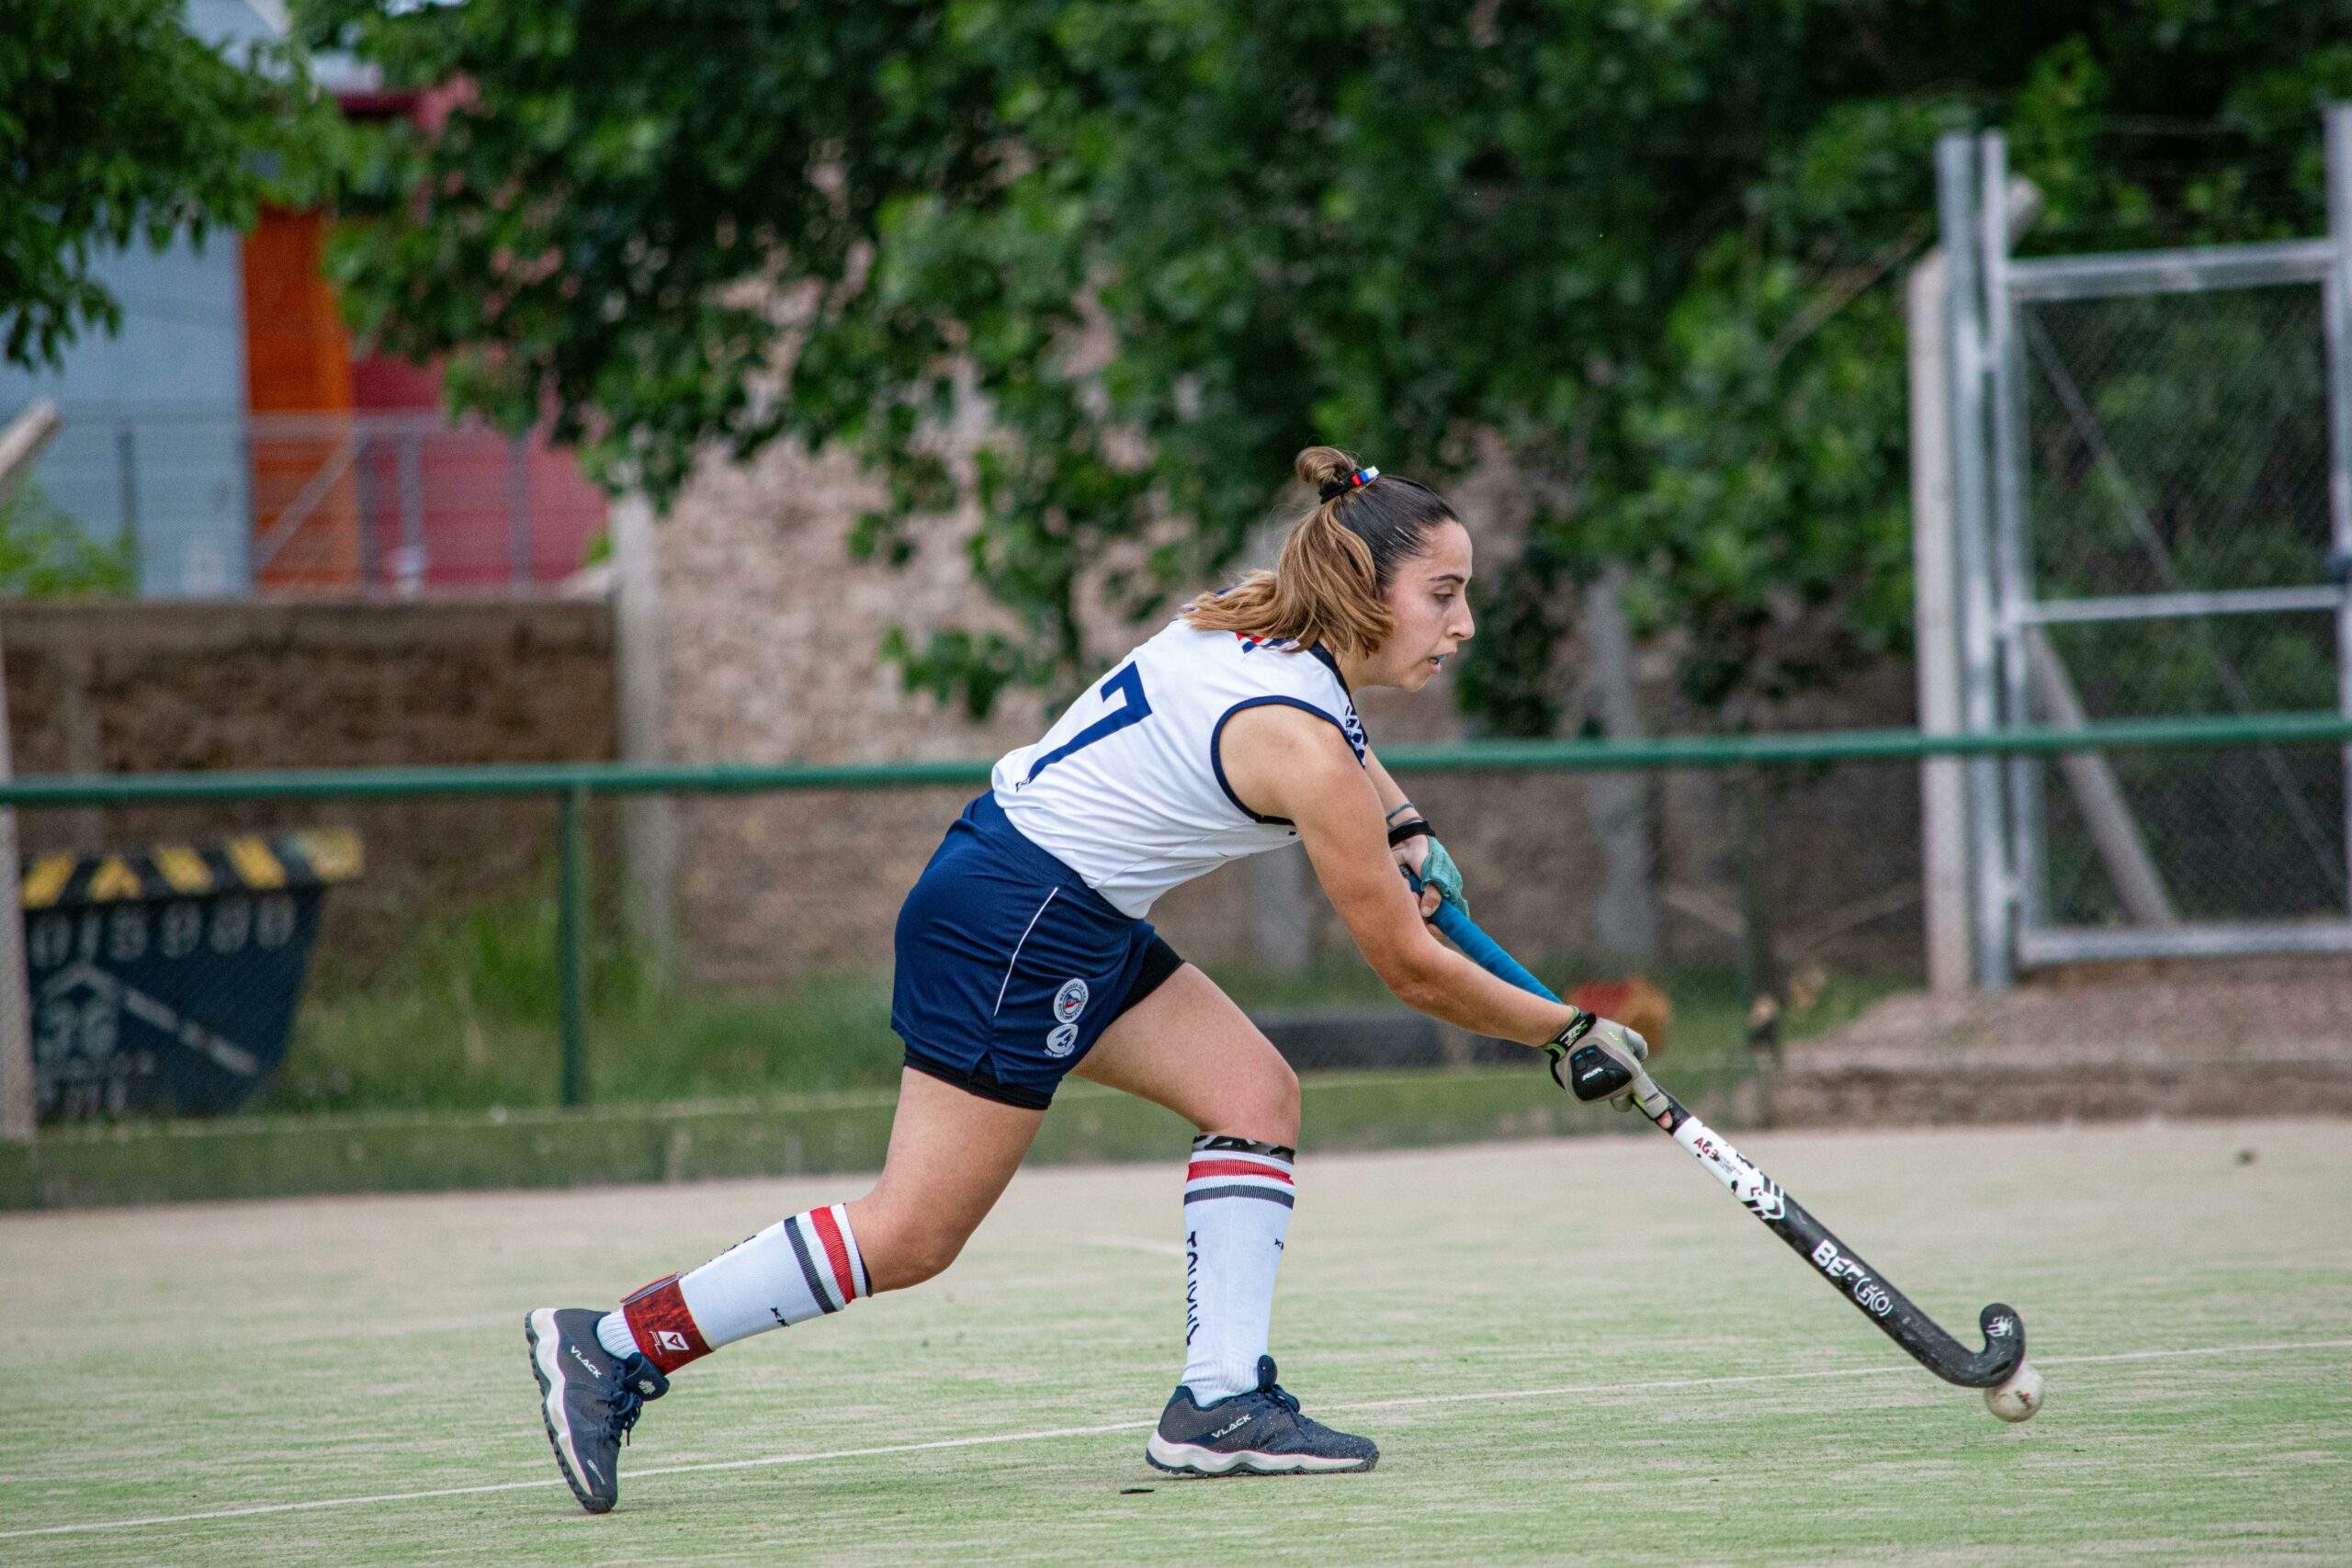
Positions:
(1023, 954)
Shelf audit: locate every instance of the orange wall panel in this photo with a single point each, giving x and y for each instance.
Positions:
(297, 360)
(298, 355)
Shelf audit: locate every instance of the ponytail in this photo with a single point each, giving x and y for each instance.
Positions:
(1329, 584)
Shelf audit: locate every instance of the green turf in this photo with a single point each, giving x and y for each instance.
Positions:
(184, 1360)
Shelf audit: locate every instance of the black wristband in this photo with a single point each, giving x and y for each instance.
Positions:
(1580, 1023)
(1417, 827)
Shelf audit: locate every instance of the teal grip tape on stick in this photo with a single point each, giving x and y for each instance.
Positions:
(1485, 952)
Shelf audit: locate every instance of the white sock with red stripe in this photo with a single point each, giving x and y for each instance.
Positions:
(803, 1268)
(1238, 1197)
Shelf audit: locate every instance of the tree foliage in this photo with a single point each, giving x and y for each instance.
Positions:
(118, 126)
(1647, 251)
(46, 554)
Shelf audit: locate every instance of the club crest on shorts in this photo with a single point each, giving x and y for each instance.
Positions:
(1061, 1040)
(1069, 1001)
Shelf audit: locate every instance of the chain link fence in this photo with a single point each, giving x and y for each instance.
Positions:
(395, 503)
(2179, 449)
(476, 939)
(2150, 515)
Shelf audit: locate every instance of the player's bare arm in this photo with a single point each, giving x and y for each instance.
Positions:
(1398, 814)
(1286, 763)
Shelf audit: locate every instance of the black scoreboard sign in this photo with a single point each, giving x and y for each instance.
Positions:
(165, 981)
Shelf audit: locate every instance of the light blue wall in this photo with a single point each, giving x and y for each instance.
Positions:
(234, 24)
(154, 432)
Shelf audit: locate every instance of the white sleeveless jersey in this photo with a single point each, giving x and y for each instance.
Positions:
(1127, 789)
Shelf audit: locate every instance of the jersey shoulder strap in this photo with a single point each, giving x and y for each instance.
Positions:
(1225, 673)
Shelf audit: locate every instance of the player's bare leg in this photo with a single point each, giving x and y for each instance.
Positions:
(951, 1155)
(1188, 1047)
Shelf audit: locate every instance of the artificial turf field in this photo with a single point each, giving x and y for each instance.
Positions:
(1567, 1350)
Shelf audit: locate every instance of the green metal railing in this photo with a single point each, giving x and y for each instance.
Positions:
(575, 785)
(1459, 757)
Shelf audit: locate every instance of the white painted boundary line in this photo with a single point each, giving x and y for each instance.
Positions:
(1840, 1373)
(1045, 1434)
(1128, 1244)
(252, 1509)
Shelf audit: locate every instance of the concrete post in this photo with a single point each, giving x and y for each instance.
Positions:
(1943, 794)
(19, 444)
(649, 826)
(16, 1109)
(1626, 917)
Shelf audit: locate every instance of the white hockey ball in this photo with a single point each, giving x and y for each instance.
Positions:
(2018, 1398)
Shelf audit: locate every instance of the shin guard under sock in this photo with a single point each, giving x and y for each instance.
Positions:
(1238, 1197)
(800, 1268)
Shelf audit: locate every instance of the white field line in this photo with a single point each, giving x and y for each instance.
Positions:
(706, 1467)
(1129, 1243)
(1662, 1384)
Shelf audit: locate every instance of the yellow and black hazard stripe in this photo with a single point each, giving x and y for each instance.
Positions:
(251, 863)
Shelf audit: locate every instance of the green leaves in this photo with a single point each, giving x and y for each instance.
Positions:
(120, 129)
(45, 554)
(1647, 254)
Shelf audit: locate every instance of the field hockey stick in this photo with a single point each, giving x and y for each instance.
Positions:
(1594, 1075)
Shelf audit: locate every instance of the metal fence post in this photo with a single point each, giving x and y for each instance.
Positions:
(2004, 374)
(364, 491)
(1760, 962)
(518, 512)
(409, 576)
(126, 458)
(2337, 297)
(1964, 368)
(570, 929)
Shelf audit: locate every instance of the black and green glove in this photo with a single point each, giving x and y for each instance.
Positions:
(1598, 1059)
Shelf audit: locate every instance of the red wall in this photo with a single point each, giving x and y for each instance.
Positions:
(343, 532)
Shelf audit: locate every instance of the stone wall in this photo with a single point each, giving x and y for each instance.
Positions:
(770, 654)
(770, 632)
(161, 686)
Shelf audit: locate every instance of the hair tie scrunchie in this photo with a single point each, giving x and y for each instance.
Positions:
(1356, 481)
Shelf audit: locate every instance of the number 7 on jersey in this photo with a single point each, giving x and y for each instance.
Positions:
(1127, 685)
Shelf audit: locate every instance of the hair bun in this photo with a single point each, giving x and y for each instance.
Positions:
(1321, 465)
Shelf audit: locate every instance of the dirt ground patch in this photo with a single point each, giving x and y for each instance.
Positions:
(2248, 1039)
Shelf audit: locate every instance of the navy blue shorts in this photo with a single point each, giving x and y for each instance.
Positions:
(1009, 966)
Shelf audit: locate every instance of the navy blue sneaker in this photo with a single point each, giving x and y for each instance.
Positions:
(1258, 1433)
(591, 1398)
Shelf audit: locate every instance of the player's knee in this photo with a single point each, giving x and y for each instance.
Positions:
(910, 1252)
(923, 1258)
(1285, 1103)
(1265, 1109)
